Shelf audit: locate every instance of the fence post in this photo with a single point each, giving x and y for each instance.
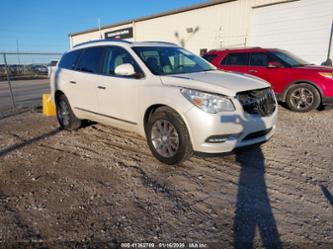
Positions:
(8, 79)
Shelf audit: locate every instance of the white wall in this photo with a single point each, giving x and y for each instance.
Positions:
(219, 25)
(227, 25)
(211, 28)
(92, 35)
(302, 27)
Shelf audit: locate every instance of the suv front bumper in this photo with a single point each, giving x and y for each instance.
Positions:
(223, 132)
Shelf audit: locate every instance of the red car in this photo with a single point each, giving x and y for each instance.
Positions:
(302, 86)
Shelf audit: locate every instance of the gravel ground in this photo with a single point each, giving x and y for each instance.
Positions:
(100, 186)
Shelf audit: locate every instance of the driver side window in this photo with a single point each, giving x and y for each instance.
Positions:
(115, 56)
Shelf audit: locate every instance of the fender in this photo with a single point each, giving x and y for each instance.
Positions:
(282, 96)
(149, 110)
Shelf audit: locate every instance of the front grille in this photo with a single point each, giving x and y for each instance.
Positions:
(259, 102)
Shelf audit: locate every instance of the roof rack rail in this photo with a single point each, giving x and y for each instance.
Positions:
(101, 40)
(162, 42)
(235, 48)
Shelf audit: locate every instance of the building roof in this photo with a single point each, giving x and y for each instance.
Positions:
(166, 13)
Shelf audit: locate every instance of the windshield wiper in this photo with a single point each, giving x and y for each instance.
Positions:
(212, 69)
(173, 73)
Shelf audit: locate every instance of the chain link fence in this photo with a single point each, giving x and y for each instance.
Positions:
(24, 77)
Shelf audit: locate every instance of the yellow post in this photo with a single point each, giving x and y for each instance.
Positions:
(48, 105)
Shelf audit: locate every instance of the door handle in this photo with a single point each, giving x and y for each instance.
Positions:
(101, 87)
(252, 71)
(72, 82)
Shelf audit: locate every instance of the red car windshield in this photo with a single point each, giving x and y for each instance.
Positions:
(290, 59)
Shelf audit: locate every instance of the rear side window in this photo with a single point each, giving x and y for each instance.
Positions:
(68, 61)
(209, 57)
(236, 59)
(90, 60)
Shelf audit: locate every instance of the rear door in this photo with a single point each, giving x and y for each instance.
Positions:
(236, 62)
(85, 80)
(64, 76)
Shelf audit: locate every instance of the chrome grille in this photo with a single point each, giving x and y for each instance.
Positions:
(258, 102)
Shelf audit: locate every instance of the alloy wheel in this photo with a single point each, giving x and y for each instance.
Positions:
(63, 113)
(165, 138)
(302, 98)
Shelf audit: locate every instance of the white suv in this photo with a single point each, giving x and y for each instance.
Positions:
(175, 99)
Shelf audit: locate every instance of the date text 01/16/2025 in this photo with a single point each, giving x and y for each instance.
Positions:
(163, 245)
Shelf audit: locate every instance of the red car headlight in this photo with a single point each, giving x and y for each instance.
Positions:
(327, 75)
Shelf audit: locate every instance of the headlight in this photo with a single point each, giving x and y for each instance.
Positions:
(327, 75)
(272, 93)
(207, 102)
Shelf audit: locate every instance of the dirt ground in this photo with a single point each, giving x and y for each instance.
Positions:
(99, 187)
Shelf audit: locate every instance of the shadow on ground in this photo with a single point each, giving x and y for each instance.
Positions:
(327, 194)
(253, 208)
(25, 142)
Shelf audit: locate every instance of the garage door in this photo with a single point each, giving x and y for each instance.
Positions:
(302, 27)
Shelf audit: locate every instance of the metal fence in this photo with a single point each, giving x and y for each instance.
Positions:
(24, 77)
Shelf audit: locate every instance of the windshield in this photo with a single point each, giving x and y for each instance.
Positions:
(171, 60)
(290, 59)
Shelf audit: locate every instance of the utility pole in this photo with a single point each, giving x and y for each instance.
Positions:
(99, 27)
(18, 57)
(330, 43)
(18, 52)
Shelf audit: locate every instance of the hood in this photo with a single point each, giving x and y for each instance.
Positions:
(221, 82)
(315, 68)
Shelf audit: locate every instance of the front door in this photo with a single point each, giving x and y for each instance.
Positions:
(259, 66)
(118, 95)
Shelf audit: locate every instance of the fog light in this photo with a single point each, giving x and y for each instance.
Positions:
(221, 138)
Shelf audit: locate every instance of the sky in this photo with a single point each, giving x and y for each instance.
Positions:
(44, 25)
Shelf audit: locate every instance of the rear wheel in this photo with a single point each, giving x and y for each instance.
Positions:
(303, 98)
(167, 136)
(65, 115)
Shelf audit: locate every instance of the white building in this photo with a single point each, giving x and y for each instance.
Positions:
(300, 26)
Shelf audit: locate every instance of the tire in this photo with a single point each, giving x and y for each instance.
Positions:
(167, 137)
(303, 98)
(65, 115)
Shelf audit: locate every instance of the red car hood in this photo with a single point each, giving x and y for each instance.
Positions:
(316, 68)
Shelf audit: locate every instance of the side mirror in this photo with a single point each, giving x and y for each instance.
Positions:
(274, 64)
(125, 70)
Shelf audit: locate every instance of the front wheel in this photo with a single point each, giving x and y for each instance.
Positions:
(65, 115)
(167, 137)
(303, 98)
